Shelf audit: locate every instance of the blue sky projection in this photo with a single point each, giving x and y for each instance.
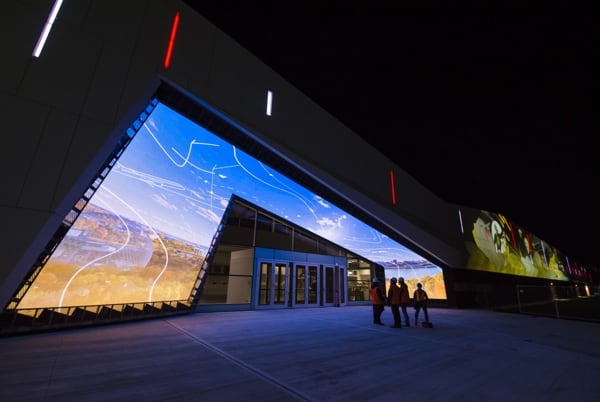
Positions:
(181, 177)
(144, 233)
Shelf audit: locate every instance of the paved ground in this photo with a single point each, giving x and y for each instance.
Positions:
(318, 354)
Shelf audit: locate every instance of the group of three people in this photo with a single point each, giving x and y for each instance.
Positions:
(398, 298)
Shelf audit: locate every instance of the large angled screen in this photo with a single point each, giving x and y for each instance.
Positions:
(144, 234)
(496, 244)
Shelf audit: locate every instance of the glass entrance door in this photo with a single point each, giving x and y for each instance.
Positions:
(306, 280)
(273, 284)
(333, 286)
(299, 284)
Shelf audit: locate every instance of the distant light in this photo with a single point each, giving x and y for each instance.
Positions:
(172, 40)
(462, 229)
(269, 102)
(393, 187)
(47, 27)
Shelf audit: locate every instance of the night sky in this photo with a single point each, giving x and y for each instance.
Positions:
(494, 113)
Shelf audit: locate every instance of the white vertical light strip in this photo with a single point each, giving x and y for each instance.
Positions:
(47, 27)
(269, 102)
(462, 229)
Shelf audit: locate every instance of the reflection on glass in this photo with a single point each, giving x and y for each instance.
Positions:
(264, 296)
(300, 284)
(313, 287)
(280, 279)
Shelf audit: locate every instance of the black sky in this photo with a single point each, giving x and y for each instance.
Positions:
(495, 113)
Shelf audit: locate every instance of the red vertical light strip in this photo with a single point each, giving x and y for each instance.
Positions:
(171, 40)
(393, 187)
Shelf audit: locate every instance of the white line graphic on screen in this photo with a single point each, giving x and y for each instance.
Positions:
(187, 145)
(293, 194)
(327, 225)
(186, 161)
(83, 267)
(99, 201)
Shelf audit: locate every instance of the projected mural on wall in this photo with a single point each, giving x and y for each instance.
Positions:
(498, 245)
(144, 234)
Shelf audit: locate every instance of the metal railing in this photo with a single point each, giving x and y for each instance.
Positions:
(568, 302)
(19, 321)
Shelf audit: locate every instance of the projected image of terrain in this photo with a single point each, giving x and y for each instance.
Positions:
(144, 234)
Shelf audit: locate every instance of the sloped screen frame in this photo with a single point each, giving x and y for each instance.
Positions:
(201, 114)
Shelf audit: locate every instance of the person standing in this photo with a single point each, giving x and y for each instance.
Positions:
(420, 297)
(378, 301)
(404, 300)
(393, 297)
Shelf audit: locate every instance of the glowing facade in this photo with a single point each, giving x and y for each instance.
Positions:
(158, 72)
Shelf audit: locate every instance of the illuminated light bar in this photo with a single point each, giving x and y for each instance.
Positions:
(172, 40)
(393, 187)
(462, 228)
(47, 27)
(269, 102)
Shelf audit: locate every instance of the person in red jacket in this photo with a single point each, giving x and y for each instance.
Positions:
(404, 300)
(378, 301)
(393, 298)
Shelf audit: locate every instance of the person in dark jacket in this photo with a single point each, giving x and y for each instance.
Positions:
(378, 301)
(420, 297)
(393, 298)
